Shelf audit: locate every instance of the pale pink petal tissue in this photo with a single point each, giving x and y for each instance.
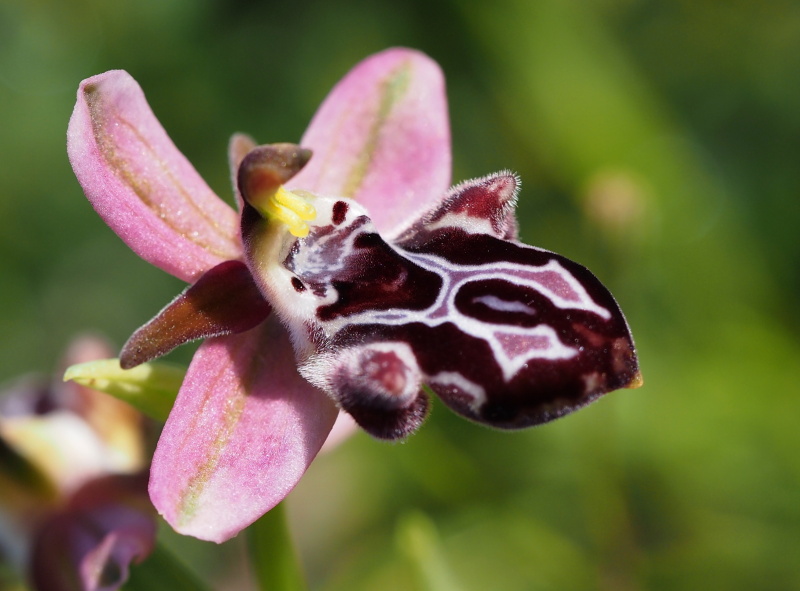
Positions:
(382, 137)
(243, 431)
(141, 185)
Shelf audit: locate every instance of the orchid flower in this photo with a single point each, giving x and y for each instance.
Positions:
(75, 513)
(350, 279)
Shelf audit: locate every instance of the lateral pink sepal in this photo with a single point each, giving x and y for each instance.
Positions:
(243, 431)
(141, 184)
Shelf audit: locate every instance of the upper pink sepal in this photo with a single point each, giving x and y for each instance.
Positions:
(382, 136)
(243, 431)
(141, 184)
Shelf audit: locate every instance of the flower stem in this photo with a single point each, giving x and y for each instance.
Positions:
(418, 539)
(273, 555)
(161, 571)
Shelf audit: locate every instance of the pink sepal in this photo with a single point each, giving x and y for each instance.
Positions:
(140, 183)
(243, 431)
(382, 136)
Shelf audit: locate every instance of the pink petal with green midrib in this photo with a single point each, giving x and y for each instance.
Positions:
(243, 431)
(141, 184)
(382, 136)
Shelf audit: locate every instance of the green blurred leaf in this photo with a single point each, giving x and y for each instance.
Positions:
(149, 387)
(161, 571)
(272, 553)
(419, 541)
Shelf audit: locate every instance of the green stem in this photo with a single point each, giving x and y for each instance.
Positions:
(272, 553)
(418, 539)
(161, 571)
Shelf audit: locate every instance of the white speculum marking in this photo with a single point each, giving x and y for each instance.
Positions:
(309, 262)
(501, 305)
(512, 346)
(455, 379)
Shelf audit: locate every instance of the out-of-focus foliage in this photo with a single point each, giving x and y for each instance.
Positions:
(657, 143)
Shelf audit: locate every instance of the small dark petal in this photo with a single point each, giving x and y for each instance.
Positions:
(225, 300)
(382, 378)
(268, 167)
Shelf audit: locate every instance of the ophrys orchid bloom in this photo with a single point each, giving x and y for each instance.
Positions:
(350, 279)
(74, 512)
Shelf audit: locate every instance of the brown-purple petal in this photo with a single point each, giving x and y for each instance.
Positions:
(225, 300)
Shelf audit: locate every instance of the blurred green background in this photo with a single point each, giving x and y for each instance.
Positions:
(657, 142)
